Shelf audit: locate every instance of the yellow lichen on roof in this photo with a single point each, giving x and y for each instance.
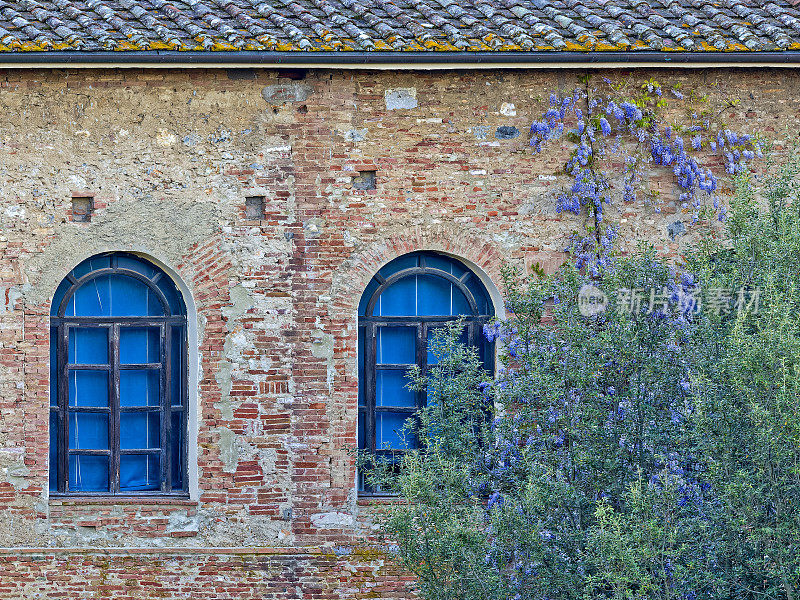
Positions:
(381, 45)
(159, 45)
(409, 25)
(30, 46)
(570, 45)
(604, 46)
(127, 46)
(736, 47)
(223, 46)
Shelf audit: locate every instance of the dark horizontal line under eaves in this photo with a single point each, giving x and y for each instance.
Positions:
(321, 59)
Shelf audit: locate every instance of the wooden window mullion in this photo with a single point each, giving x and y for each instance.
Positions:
(370, 358)
(184, 360)
(63, 401)
(166, 408)
(114, 402)
(422, 359)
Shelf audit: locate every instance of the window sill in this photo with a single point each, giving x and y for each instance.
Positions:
(65, 500)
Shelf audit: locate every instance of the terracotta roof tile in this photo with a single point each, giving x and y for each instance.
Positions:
(411, 25)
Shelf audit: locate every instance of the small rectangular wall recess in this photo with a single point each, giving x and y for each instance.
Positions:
(254, 208)
(365, 180)
(82, 207)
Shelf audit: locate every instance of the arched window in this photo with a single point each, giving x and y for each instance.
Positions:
(118, 372)
(401, 307)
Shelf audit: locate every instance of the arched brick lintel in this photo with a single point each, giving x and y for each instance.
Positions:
(480, 255)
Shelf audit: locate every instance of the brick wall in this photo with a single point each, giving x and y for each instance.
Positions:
(169, 158)
(255, 573)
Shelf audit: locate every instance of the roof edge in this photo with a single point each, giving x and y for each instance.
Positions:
(393, 60)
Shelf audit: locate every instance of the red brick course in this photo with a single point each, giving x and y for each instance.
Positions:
(261, 574)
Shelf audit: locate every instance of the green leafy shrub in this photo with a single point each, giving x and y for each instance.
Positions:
(650, 450)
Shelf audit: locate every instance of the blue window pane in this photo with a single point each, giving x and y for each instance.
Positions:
(177, 446)
(92, 299)
(391, 390)
(437, 296)
(361, 482)
(134, 264)
(88, 346)
(88, 473)
(133, 298)
(167, 286)
(139, 387)
(407, 261)
(177, 369)
(53, 366)
(139, 430)
(486, 354)
(139, 472)
(88, 431)
(139, 345)
(399, 299)
(114, 295)
(59, 295)
(422, 295)
(444, 263)
(88, 388)
(433, 295)
(365, 297)
(480, 295)
(361, 390)
(53, 450)
(396, 345)
(389, 432)
(459, 303)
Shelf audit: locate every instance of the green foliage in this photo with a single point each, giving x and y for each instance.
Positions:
(650, 451)
(749, 391)
(440, 530)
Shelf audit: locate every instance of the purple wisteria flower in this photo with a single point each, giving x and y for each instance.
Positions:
(590, 118)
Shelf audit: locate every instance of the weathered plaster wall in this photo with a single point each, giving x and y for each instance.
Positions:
(170, 156)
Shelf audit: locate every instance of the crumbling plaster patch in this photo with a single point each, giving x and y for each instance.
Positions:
(157, 228)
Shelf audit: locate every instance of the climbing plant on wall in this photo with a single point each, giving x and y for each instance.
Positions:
(619, 140)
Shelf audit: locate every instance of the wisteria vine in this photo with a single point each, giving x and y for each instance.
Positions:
(606, 131)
